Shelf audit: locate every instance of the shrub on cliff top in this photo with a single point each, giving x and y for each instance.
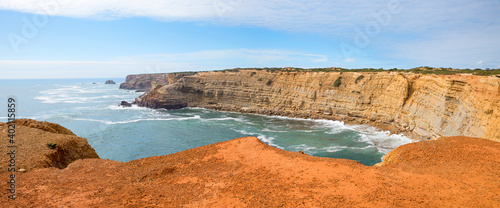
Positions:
(253, 73)
(337, 82)
(260, 79)
(51, 145)
(359, 78)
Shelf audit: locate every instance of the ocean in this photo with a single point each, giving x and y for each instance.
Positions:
(89, 108)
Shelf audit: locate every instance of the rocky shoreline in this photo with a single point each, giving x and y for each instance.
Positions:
(245, 172)
(420, 106)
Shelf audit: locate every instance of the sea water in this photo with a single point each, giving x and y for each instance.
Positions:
(89, 108)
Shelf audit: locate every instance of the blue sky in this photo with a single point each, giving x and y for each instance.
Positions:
(93, 38)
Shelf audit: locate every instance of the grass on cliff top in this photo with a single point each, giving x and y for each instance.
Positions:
(417, 70)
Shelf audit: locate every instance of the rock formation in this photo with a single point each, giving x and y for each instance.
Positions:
(144, 82)
(450, 172)
(110, 82)
(125, 104)
(31, 140)
(421, 106)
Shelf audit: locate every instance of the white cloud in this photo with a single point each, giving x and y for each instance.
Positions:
(350, 60)
(433, 33)
(253, 55)
(480, 62)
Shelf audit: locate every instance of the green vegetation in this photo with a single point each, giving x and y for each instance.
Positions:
(51, 145)
(338, 82)
(260, 80)
(417, 70)
(359, 79)
(269, 82)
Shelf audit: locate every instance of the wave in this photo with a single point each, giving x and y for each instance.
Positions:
(266, 139)
(312, 150)
(137, 120)
(383, 140)
(78, 94)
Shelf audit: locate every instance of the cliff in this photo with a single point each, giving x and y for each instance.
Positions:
(421, 106)
(32, 152)
(244, 172)
(148, 81)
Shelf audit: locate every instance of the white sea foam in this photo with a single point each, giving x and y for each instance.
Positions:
(276, 131)
(268, 140)
(224, 119)
(76, 94)
(383, 140)
(137, 120)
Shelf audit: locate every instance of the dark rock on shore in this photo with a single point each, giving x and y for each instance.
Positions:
(125, 104)
(110, 82)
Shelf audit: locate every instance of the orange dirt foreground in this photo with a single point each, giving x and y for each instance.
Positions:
(244, 172)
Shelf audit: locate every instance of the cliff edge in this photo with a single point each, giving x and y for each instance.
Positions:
(244, 172)
(32, 151)
(421, 106)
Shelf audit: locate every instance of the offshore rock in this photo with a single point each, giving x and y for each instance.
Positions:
(125, 104)
(110, 82)
(421, 106)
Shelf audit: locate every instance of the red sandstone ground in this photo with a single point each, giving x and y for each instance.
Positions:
(450, 172)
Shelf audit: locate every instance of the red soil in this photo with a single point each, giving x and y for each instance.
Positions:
(244, 172)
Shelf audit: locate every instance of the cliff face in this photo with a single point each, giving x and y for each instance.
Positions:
(149, 81)
(422, 106)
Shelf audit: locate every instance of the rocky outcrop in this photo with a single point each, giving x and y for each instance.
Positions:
(144, 82)
(110, 82)
(421, 106)
(245, 172)
(125, 104)
(32, 151)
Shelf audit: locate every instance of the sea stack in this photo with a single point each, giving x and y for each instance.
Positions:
(110, 82)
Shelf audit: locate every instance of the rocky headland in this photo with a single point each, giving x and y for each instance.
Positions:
(244, 172)
(145, 82)
(422, 106)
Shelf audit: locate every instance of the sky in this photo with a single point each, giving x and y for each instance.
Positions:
(114, 38)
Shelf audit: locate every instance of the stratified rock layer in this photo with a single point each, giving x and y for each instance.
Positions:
(421, 106)
(32, 152)
(451, 172)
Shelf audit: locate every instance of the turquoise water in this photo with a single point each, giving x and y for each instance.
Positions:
(91, 111)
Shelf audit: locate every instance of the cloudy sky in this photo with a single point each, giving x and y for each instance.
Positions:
(96, 38)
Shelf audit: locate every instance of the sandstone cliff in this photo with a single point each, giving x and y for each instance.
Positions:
(245, 172)
(31, 139)
(148, 81)
(421, 106)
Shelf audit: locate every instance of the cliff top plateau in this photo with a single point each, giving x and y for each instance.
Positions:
(244, 172)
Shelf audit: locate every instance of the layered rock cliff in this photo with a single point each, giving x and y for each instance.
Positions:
(421, 106)
(148, 81)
